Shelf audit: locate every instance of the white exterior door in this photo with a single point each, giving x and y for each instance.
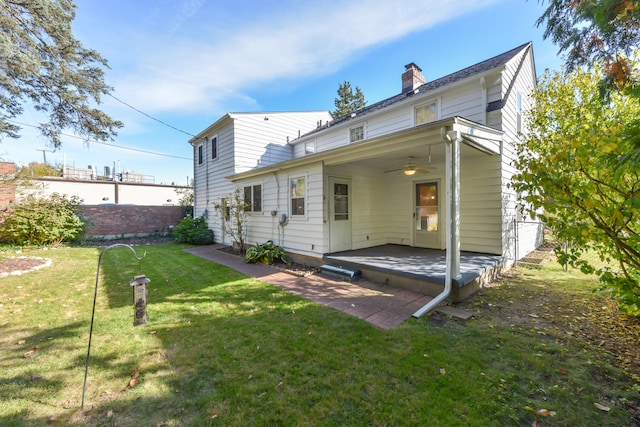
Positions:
(426, 215)
(339, 214)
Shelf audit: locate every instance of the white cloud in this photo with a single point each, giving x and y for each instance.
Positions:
(187, 74)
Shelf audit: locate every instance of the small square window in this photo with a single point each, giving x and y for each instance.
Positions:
(427, 113)
(356, 133)
(309, 148)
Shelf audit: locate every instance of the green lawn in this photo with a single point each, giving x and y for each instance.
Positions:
(224, 349)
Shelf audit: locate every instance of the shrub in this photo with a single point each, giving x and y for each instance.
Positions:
(194, 231)
(266, 253)
(42, 221)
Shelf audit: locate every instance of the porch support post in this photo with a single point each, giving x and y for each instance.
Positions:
(453, 205)
(453, 139)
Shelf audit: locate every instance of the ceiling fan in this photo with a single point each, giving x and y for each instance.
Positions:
(410, 168)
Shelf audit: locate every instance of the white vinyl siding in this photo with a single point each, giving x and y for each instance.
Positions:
(262, 139)
(480, 202)
(529, 235)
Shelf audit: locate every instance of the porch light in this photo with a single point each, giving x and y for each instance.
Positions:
(409, 171)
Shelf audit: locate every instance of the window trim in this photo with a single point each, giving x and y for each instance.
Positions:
(200, 154)
(251, 208)
(425, 104)
(313, 146)
(358, 126)
(304, 196)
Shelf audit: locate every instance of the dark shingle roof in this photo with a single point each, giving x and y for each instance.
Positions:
(476, 69)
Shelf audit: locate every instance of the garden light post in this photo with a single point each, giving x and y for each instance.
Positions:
(139, 284)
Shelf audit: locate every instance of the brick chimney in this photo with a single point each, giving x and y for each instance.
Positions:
(412, 77)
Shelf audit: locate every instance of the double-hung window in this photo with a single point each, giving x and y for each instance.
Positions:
(200, 154)
(298, 196)
(253, 198)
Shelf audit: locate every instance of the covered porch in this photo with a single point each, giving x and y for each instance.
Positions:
(419, 269)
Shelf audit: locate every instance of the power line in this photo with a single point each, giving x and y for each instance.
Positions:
(108, 144)
(149, 116)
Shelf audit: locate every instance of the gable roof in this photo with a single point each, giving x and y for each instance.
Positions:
(476, 69)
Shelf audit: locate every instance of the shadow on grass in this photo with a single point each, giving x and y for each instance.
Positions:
(221, 348)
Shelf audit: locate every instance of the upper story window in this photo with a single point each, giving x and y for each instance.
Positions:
(253, 198)
(298, 195)
(309, 147)
(214, 147)
(356, 133)
(426, 113)
(200, 154)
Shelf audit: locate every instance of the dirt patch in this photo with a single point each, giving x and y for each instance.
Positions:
(294, 268)
(22, 264)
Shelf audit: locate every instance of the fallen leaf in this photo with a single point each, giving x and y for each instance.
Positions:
(563, 371)
(109, 413)
(546, 413)
(443, 371)
(134, 379)
(31, 352)
(22, 342)
(536, 423)
(601, 407)
(215, 415)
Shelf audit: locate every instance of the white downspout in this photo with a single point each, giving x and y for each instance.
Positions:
(452, 147)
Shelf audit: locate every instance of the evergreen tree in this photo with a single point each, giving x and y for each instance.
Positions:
(347, 101)
(605, 32)
(42, 64)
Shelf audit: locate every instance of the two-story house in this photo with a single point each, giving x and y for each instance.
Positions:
(427, 168)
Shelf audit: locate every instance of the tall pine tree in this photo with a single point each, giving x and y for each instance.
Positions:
(347, 101)
(44, 65)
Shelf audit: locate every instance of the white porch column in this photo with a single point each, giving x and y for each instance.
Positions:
(453, 204)
(452, 164)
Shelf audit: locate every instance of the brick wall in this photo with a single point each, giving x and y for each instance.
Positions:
(122, 221)
(7, 185)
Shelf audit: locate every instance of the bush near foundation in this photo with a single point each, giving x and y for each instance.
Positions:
(194, 231)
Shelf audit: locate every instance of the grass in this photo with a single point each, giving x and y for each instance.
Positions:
(224, 349)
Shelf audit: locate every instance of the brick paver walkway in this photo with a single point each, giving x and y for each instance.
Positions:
(384, 306)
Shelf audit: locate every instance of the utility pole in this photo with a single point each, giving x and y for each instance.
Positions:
(44, 154)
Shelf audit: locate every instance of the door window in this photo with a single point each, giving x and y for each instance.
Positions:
(341, 201)
(427, 206)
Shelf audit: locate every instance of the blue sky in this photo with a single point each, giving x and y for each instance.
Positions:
(188, 62)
